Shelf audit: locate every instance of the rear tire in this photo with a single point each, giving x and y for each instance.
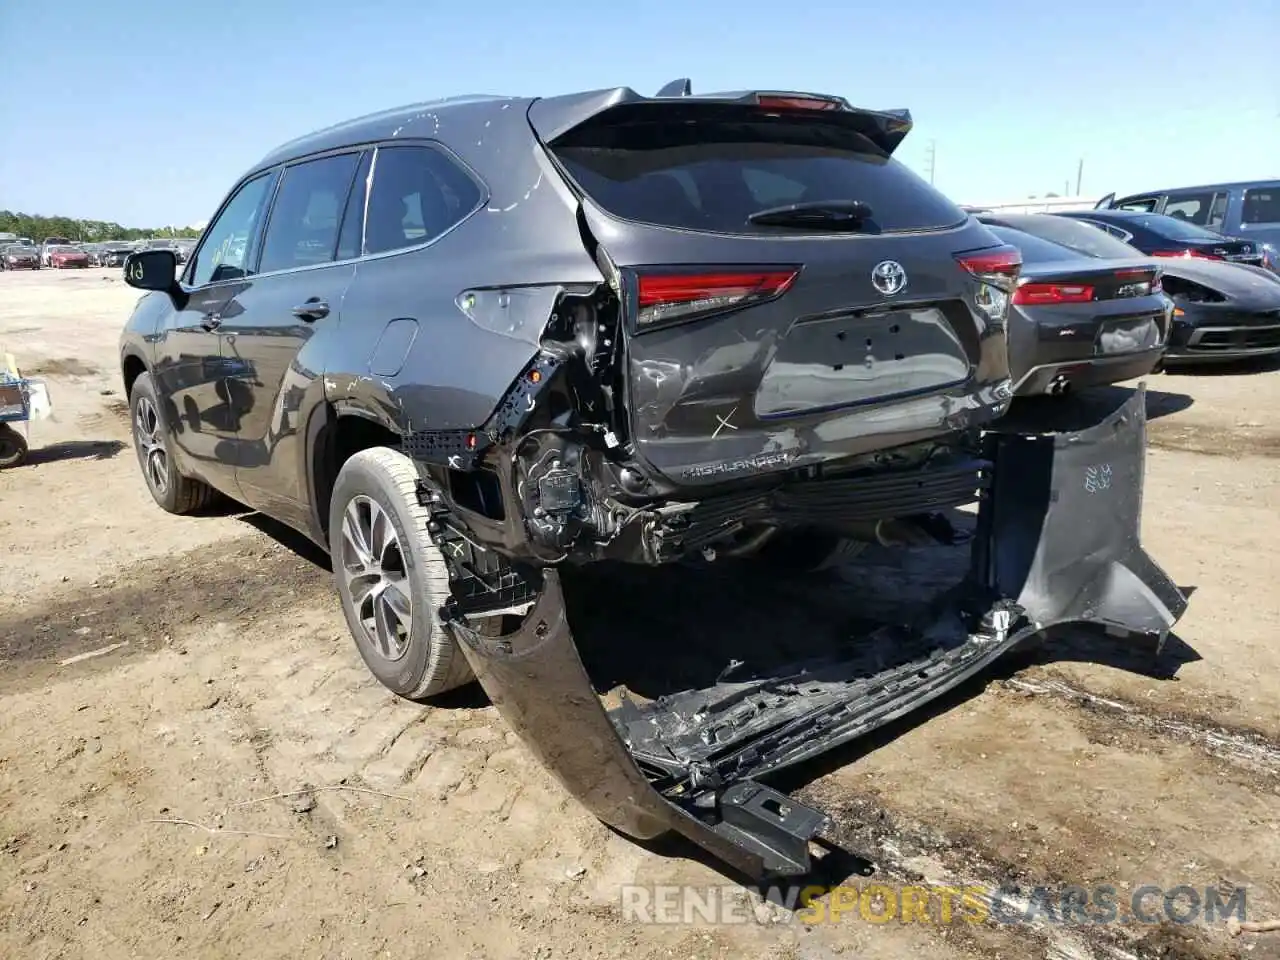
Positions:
(172, 491)
(392, 580)
(13, 447)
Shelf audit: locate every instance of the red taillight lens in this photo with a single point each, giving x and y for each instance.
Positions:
(796, 103)
(665, 298)
(1039, 294)
(1185, 254)
(996, 261)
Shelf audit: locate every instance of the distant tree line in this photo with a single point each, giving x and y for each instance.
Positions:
(37, 228)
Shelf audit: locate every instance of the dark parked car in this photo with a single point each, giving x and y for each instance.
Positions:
(114, 254)
(1078, 321)
(1160, 236)
(19, 257)
(1221, 311)
(1248, 209)
(179, 247)
(469, 345)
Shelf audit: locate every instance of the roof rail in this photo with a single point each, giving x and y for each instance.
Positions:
(677, 88)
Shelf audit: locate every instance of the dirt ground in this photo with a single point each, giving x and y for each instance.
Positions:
(140, 807)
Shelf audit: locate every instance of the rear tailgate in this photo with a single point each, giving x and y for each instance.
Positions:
(755, 348)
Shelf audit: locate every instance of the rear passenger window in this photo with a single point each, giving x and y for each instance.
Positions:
(1139, 204)
(1262, 206)
(303, 228)
(704, 168)
(1191, 207)
(418, 193)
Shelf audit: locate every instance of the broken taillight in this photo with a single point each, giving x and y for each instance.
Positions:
(997, 268)
(664, 298)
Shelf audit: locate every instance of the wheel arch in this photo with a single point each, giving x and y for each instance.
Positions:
(132, 366)
(333, 435)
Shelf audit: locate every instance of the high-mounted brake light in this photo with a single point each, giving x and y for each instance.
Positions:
(1039, 294)
(665, 298)
(1187, 254)
(796, 103)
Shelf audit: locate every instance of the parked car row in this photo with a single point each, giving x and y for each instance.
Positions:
(1248, 210)
(1107, 295)
(19, 253)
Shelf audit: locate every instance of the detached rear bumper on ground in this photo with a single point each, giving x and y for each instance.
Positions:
(1057, 542)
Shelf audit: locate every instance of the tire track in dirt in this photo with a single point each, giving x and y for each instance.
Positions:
(907, 851)
(1214, 440)
(1243, 748)
(938, 850)
(154, 603)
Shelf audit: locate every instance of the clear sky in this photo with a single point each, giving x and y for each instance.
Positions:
(145, 111)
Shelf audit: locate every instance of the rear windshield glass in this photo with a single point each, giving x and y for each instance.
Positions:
(712, 170)
(1035, 250)
(1082, 237)
(1176, 229)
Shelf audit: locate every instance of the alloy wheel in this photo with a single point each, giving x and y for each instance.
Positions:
(374, 570)
(149, 437)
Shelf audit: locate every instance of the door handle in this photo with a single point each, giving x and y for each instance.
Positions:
(314, 309)
(211, 321)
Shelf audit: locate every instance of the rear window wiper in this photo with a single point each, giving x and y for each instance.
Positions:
(820, 214)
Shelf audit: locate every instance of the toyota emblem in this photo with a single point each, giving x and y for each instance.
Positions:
(888, 277)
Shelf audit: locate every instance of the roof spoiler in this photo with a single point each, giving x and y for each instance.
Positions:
(677, 88)
(552, 117)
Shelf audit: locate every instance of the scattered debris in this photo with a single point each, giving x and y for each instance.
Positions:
(304, 803)
(1236, 927)
(306, 790)
(216, 830)
(90, 654)
(576, 872)
(212, 910)
(331, 843)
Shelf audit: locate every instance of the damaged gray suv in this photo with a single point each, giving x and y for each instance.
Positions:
(470, 344)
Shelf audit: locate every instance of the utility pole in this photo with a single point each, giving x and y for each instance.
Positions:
(931, 158)
(1079, 176)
